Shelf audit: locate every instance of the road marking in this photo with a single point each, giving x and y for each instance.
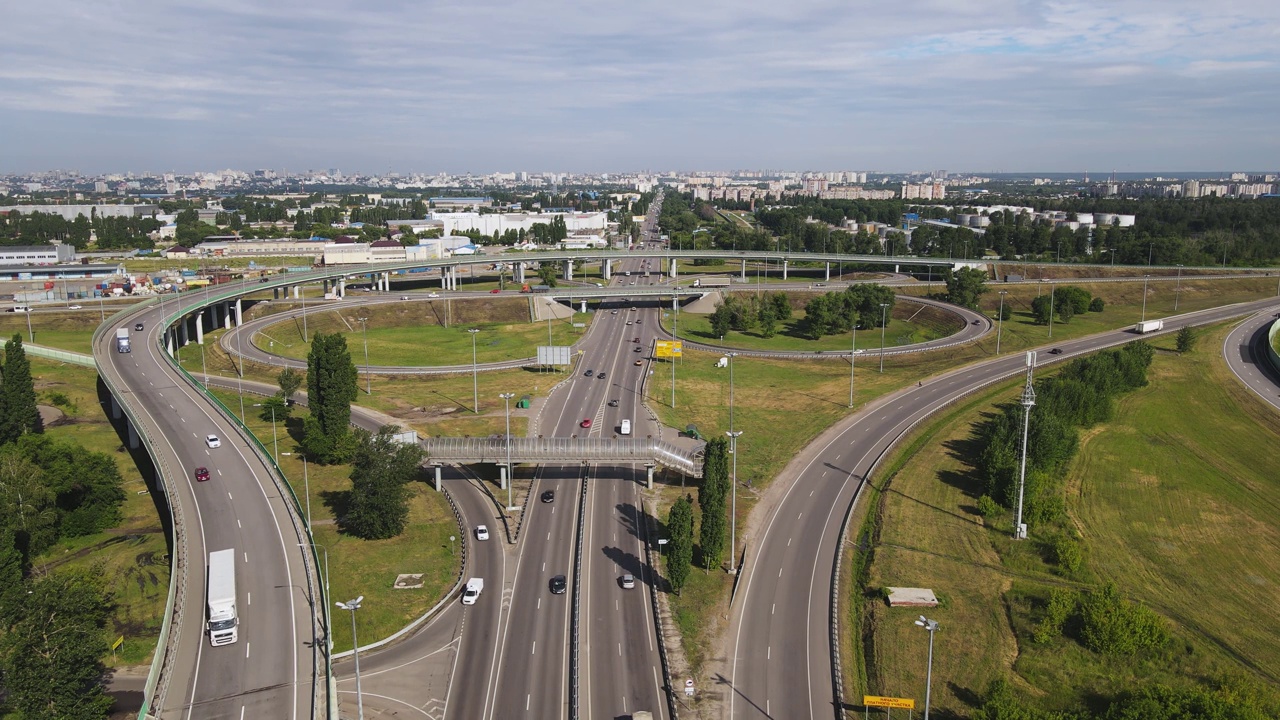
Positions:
(799, 516)
(773, 608)
(238, 524)
(246, 648)
(779, 572)
(246, 556)
(526, 702)
(248, 598)
(534, 651)
(788, 542)
(619, 649)
(539, 605)
(544, 566)
(219, 472)
(769, 653)
(229, 497)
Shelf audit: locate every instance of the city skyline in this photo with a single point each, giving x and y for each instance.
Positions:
(978, 87)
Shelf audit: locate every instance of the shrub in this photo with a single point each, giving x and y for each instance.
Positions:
(988, 508)
(1066, 553)
(1097, 305)
(1062, 603)
(1112, 625)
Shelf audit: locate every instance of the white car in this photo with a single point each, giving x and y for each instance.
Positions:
(73, 307)
(404, 297)
(433, 295)
(482, 532)
(628, 581)
(212, 441)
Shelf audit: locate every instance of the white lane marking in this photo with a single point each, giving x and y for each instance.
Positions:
(229, 497)
(246, 648)
(769, 653)
(619, 649)
(526, 702)
(241, 712)
(246, 556)
(534, 651)
(779, 572)
(788, 542)
(773, 608)
(539, 605)
(238, 524)
(248, 598)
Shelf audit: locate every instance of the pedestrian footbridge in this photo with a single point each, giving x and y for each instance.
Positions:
(563, 451)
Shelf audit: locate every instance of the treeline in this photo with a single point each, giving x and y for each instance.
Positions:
(1219, 699)
(1063, 303)
(52, 627)
(742, 313)
(1082, 394)
(111, 232)
(713, 496)
(867, 306)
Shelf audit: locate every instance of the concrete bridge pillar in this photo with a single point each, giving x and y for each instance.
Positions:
(502, 477)
(828, 271)
(183, 340)
(784, 270)
(568, 270)
(297, 291)
(239, 313)
(672, 271)
(648, 477)
(133, 437)
(438, 473)
(200, 328)
(583, 306)
(275, 293)
(744, 270)
(342, 287)
(520, 273)
(116, 410)
(896, 267)
(386, 282)
(606, 269)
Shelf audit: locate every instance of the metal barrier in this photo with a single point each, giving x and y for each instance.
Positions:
(552, 451)
(66, 356)
(1271, 345)
(649, 542)
(577, 601)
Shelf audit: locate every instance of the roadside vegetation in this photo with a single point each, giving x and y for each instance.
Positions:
(1135, 594)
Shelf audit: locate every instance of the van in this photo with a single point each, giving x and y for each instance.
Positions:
(626, 427)
(22, 308)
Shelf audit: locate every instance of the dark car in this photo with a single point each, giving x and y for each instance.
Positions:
(202, 474)
(613, 403)
(977, 322)
(601, 376)
(559, 584)
(589, 373)
(638, 349)
(1056, 351)
(138, 327)
(549, 496)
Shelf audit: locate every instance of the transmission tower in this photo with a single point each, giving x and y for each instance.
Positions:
(1028, 400)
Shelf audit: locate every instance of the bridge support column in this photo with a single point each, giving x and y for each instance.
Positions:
(159, 484)
(896, 267)
(386, 282)
(200, 328)
(342, 287)
(275, 293)
(828, 271)
(784, 270)
(502, 477)
(583, 306)
(568, 270)
(672, 270)
(648, 477)
(168, 341)
(133, 437)
(297, 291)
(116, 410)
(183, 340)
(744, 271)
(606, 269)
(520, 273)
(439, 471)
(239, 313)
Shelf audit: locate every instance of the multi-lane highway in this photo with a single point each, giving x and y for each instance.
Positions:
(1244, 349)
(269, 671)
(780, 662)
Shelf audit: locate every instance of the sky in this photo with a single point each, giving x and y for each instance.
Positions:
(570, 86)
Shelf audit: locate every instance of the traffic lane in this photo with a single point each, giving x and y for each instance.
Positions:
(532, 679)
(1245, 350)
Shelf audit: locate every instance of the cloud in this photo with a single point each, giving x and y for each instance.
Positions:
(569, 85)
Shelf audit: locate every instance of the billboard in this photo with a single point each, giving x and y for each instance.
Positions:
(553, 354)
(668, 349)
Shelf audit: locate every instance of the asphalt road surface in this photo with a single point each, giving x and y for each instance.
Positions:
(1245, 350)
(780, 658)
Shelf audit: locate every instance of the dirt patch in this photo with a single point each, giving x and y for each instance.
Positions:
(51, 416)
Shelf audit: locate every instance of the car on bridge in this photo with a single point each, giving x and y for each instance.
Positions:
(482, 532)
(548, 496)
(628, 581)
(586, 423)
(589, 373)
(212, 441)
(559, 584)
(202, 474)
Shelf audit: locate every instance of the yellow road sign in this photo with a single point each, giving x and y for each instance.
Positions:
(888, 702)
(668, 349)
(116, 645)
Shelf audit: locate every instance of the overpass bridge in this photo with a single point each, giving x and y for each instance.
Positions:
(563, 451)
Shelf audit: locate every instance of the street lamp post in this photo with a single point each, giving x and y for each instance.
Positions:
(475, 382)
(1177, 291)
(368, 379)
(1052, 289)
(31, 335)
(304, 313)
(240, 376)
(1145, 278)
(275, 442)
(883, 307)
(1000, 320)
(733, 510)
(306, 485)
(932, 627)
(506, 401)
(853, 356)
(353, 606)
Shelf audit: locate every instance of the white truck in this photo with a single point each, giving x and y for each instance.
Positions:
(625, 427)
(222, 598)
(122, 340)
(1148, 326)
(472, 591)
(711, 282)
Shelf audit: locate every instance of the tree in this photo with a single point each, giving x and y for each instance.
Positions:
(53, 645)
(547, 273)
(289, 381)
(20, 413)
(1097, 305)
(380, 474)
(1111, 625)
(680, 546)
(1186, 339)
(711, 500)
(26, 504)
(87, 489)
(331, 386)
(275, 409)
(720, 320)
(965, 287)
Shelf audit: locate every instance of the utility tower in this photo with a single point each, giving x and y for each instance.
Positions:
(1028, 400)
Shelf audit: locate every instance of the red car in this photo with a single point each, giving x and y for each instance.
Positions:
(586, 422)
(202, 474)
(495, 291)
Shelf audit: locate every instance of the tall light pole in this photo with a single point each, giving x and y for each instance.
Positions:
(275, 444)
(733, 510)
(1178, 290)
(853, 356)
(353, 606)
(731, 356)
(1145, 278)
(1028, 400)
(932, 627)
(240, 377)
(31, 335)
(475, 382)
(368, 379)
(506, 401)
(1052, 308)
(306, 484)
(883, 307)
(304, 313)
(1000, 320)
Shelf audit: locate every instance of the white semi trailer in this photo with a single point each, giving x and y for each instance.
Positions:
(222, 598)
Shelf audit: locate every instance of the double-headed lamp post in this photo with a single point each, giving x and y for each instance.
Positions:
(733, 509)
(853, 356)
(506, 401)
(353, 606)
(475, 383)
(1145, 278)
(932, 627)
(1000, 320)
(368, 379)
(883, 307)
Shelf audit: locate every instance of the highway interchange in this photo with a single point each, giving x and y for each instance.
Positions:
(511, 654)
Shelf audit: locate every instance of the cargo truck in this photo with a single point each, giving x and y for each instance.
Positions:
(122, 340)
(711, 282)
(222, 598)
(1148, 326)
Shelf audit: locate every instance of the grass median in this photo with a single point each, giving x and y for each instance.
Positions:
(1176, 502)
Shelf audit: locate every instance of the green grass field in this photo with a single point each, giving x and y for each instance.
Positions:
(1181, 517)
(133, 555)
(71, 330)
(360, 567)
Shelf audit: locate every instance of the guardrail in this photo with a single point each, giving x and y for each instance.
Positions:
(650, 536)
(66, 356)
(574, 669)
(1271, 345)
